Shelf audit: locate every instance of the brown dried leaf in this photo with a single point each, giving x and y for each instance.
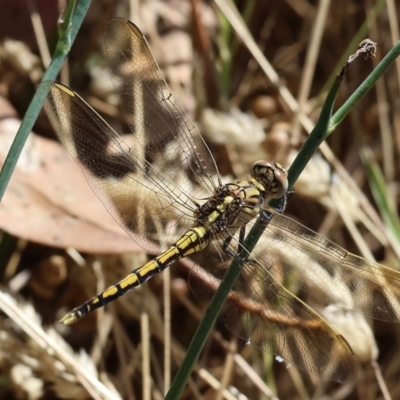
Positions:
(49, 201)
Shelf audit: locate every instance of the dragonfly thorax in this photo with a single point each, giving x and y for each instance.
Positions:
(231, 206)
(234, 204)
(269, 178)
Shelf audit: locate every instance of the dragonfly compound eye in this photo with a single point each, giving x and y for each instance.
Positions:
(272, 176)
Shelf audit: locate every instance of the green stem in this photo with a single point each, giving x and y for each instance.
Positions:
(364, 87)
(325, 125)
(361, 34)
(70, 26)
(204, 329)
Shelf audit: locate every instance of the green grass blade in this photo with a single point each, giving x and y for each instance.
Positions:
(362, 32)
(72, 21)
(381, 195)
(364, 87)
(324, 127)
(314, 140)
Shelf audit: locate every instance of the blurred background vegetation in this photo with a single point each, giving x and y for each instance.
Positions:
(250, 100)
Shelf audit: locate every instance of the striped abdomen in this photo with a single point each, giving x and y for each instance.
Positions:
(194, 240)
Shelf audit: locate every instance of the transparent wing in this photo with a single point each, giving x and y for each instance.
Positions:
(329, 274)
(144, 187)
(143, 200)
(276, 321)
(292, 262)
(160, 125)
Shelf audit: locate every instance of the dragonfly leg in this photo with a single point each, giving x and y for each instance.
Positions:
(226, 249)
(283, 202)
(266, 215)
(227, 241)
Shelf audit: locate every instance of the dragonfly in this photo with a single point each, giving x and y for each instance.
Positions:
(165, 186)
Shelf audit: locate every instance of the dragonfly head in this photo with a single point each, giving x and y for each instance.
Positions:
(271, 176)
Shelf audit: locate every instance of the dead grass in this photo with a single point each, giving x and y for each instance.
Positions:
(279, 70)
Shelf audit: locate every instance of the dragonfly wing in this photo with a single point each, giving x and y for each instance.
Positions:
(265, 314)
(159, 123)
(142, 199)
(290, 258)
(313, 266)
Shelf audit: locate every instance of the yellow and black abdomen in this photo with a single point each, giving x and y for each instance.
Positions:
(194, 240)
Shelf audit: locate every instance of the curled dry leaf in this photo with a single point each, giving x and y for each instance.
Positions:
(48, 200)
